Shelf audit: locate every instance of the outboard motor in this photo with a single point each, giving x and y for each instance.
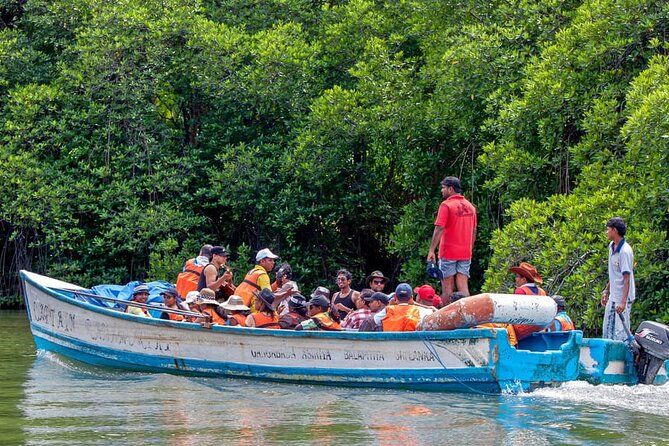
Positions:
(651, 349)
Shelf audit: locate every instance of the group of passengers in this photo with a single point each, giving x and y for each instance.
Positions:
(210, 297)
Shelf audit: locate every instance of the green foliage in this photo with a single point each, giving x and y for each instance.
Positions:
(133, 132)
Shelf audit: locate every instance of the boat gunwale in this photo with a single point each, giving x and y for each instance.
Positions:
(460, 334)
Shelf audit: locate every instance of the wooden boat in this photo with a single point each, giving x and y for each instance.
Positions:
(476, 360)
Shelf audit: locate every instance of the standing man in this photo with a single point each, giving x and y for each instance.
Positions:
(455, 233)
(620, 291)
(257, 279)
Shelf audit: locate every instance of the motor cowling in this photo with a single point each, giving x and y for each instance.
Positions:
(651, 350)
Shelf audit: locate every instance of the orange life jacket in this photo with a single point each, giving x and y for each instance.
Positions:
(249, 286)
(176, 317)
(511, 333)
(215, 317)
(325, 322)
(187, 280)
(401, 318)
(263, 320)
(565, 322)
(239, 318)
(523, 331)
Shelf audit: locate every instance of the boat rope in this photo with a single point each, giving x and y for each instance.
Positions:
(433, 349)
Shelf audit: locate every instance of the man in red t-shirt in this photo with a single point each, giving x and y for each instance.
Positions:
(455, 233)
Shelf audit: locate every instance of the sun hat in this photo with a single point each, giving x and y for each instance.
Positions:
(265, 254)
(527, 271)
(170, 291)
(207, 293)
(266, 296)
(320, 301)
(191, 297)
(321, 291)
(297, 301)
(140, 289)
(377, 275)
(208, 302)
(235, 303)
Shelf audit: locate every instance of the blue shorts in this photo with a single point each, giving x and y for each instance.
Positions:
(451, 267)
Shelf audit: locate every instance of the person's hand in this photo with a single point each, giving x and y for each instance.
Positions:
(431, 256)
(341, 307)
(227, 276)
(605, 298)
(620, 307)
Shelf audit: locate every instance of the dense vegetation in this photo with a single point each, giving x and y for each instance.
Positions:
(131, 132)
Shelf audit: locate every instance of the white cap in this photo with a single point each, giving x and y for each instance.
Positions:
(192, 296)
(264, 254)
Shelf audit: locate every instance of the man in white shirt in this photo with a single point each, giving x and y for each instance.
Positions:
(620, 292)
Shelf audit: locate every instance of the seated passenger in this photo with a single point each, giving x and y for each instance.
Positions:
(236, 311)
(321, 315)
(170, 297)
(191, 301)
(527, 280)
(404, 316)
(285, 286)
(377, 302)
(140, 294)
(210, 308)
(426, 296)
(562, 321)
(321, 291)
(265, 317)
(297, 312)
(355, 318)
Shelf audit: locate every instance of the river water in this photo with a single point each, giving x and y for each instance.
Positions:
(48, 400)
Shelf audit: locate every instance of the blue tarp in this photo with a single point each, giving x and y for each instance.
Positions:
(124, 292)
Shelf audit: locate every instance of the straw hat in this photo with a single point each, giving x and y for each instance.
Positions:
(235, 303)
(527, 271)
(266, 296)
(207, 293)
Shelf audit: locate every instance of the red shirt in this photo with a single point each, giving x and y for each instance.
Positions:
(458, 218)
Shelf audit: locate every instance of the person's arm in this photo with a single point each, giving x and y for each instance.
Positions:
(605, 294)
(436, 237)
(378, 317)
(250, 322)
(212, 282)
(626, 289)
(439, 225)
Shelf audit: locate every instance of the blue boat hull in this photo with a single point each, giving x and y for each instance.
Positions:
(471, 360)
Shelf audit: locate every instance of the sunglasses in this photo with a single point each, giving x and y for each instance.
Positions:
(377, 282)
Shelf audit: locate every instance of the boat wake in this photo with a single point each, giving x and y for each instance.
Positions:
(639, 398)
(90, 371)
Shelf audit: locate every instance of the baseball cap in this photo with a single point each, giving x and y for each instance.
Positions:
(403, 292)
(265, 254)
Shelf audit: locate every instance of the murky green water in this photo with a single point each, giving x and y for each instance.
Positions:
(48, 400)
